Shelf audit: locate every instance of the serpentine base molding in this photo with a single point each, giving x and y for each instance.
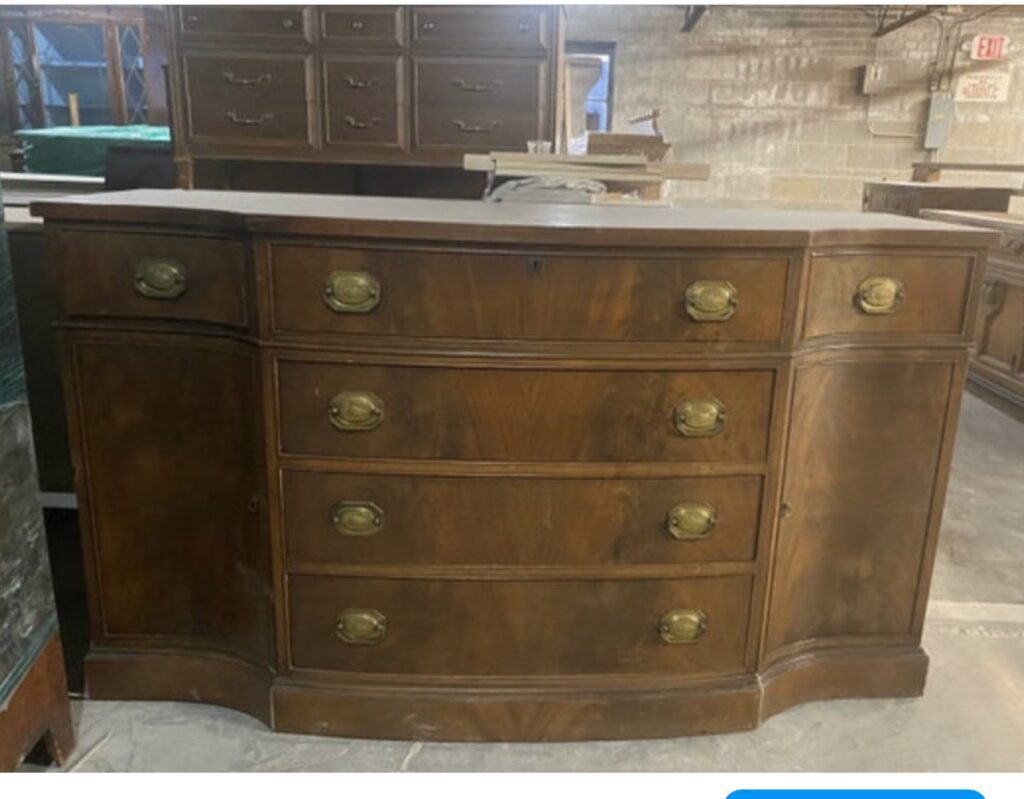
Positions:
(523, 713)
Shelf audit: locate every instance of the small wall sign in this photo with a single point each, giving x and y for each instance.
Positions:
(987, 47)
(983, 87)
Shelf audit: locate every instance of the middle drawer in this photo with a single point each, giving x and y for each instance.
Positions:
(522, 414)
(386, 519)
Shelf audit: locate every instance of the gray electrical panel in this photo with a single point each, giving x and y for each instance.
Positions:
(940, 121)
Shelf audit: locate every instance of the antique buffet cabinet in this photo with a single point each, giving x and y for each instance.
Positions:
(456, 470)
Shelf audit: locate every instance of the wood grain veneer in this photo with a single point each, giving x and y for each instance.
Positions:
(508, 572)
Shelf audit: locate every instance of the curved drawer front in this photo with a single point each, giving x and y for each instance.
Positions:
(888, 294)
(374, 519)
(506, 628)
(522, 414)
(484, 295)
(136, 275)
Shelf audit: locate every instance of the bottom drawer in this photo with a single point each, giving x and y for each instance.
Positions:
(518, 627)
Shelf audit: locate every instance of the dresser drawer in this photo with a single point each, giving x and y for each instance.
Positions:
(136, 275)
(238, 96)
(375, 519)
(888, 294)
(509, 627)
(364, 103)
(483, 295)
(261, 23)
(478, 28)
(362, 26)
(479, 102)
(522, 414)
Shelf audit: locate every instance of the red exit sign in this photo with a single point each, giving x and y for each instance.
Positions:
(985, 47)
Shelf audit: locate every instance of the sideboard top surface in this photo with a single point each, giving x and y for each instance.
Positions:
(531, 223)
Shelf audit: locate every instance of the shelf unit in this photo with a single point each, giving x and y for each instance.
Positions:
(112, 57)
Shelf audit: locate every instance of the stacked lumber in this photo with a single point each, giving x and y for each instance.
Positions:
(622, 174)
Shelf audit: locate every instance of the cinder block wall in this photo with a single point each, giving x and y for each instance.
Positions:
(769, 97)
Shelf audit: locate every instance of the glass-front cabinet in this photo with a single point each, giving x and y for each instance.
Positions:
(105, 56)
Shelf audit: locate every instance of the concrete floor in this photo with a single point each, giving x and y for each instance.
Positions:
(970, 719)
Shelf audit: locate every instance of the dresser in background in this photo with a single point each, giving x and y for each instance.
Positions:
(455, 470)
(997, 357)
(391, 85)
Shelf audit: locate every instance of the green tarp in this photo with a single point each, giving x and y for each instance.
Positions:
(83, 150)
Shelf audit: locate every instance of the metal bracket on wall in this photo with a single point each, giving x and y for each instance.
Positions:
(691, 16)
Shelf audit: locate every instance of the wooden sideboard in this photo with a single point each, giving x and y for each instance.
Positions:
(997, 358)
(456, 470)
(391, 85)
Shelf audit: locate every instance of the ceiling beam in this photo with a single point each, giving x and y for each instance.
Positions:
(903, 20)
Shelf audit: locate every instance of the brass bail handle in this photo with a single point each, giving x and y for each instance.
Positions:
(700, 417)
(357, 519)
(682, 626)
(880, 294)
(356, 410)
(711, 300)
(351, 292)
(361, 626)
(160, 278)
(688, 521)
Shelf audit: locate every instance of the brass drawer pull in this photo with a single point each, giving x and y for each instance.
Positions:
(361, 626)
(234, 80)
(711, 300)
(682, 626)
(236, 119)
(688, 521)
(160, 278)
(287, 23)
(880, 294)
(700, 417)
(357, 519)
(351, 292)
(356, 410)
(485, 128)
(352, 122)
(464, 85)
(356, 83)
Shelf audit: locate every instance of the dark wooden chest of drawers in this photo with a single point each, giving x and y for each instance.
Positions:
(361, 84)
(452, 470)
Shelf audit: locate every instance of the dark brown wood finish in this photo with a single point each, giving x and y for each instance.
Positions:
(360, 84)
(997, 358)
(536, 295)
(446, 520)
(506, 566)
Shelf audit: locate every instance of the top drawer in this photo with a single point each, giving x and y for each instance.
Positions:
(329, 290)
(282, 23)
(888, 294)
(501, 28)
(363, 26)
(151, 276)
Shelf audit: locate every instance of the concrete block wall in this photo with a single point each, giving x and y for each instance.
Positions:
(769, 96)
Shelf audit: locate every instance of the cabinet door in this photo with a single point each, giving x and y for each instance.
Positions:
(170, 476)
(862, 497)
(365, 101)
(479, 103)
